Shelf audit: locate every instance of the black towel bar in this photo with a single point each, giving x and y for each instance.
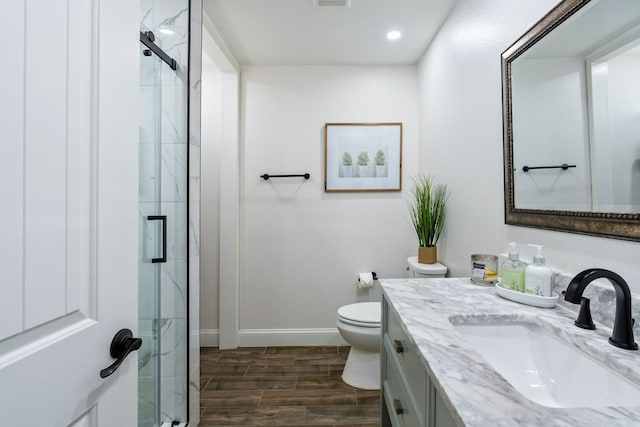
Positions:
(266, 176)
(563, 166)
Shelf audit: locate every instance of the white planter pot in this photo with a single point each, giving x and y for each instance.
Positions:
(347, 171)
(380, 171)
(362, 170)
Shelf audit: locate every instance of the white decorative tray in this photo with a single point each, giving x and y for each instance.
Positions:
(534, 300)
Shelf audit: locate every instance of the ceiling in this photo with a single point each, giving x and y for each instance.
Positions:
(593, 26)
(295, 32)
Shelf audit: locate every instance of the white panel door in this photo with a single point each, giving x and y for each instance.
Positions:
(68, 210)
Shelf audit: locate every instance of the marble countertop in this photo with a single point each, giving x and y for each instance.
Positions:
(474, 392)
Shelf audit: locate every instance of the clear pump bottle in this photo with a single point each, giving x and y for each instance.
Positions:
(513, 271)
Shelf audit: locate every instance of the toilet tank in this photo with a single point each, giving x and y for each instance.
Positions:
(425, 270)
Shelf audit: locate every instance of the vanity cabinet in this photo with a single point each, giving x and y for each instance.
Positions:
(409, 398)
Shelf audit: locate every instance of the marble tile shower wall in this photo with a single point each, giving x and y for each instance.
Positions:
(195, 113)
(167, 89)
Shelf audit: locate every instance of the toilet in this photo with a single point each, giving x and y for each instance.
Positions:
(359, 325)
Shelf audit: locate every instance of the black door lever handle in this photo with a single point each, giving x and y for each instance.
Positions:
(122, 344)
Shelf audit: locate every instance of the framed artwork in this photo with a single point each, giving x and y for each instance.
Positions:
(363, 157)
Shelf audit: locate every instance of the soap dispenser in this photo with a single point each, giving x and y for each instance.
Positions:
(537, 276)
(513, 270)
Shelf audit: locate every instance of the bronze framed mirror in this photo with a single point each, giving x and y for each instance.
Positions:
(571, 121)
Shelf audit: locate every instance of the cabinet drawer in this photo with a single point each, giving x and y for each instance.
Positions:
(397, 343)
(401, 407)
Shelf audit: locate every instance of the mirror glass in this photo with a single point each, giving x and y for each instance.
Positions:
(571, 88)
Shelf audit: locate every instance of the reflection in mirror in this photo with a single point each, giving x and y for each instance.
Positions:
(571, 96)
(550, 129)
(615, 128)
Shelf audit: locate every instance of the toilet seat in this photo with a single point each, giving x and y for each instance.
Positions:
(364, 314)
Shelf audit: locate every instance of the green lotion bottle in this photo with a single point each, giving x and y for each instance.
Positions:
(513, 271)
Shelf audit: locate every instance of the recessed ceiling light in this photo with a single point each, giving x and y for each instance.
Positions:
(331, 3)
(394, 35)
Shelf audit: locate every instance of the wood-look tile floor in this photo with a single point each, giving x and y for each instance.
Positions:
(282, 386)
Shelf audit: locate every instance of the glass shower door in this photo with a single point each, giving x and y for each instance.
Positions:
(162, 283)
(148, 272)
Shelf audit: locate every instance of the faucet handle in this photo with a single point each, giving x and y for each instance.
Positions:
(584, 320)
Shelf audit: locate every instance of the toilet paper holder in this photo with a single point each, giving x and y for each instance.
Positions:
(373, 274)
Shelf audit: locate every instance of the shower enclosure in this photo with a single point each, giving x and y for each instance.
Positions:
(163, 248)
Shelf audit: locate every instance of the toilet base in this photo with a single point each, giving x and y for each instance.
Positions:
(362, 369)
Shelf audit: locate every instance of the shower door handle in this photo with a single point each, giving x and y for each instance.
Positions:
(162, 218)
(122, 344)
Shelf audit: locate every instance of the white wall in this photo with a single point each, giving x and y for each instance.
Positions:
(301, 248)
(220, 192)
(210, 196)
(461, 142)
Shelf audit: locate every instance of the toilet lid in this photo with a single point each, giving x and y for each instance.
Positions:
(432, 269)
(362, 312)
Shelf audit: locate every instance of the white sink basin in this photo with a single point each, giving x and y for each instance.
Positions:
(546, 369)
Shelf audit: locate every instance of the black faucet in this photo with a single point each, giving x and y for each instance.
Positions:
(622, 335)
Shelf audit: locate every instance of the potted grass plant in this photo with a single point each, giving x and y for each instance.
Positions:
(346, 165)
(363, 163)
(427, 207)
(380, 160)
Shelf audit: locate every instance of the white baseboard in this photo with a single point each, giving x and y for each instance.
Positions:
(276, 337)
(289, 337)
(209, 337)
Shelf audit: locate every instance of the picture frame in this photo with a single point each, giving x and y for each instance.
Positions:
(362, 157)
